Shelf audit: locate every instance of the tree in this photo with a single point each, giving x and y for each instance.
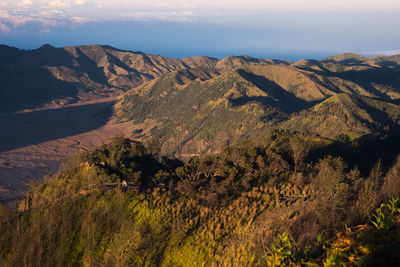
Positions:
(299, 148)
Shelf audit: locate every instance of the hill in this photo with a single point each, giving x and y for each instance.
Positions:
(192, 106)
(346, 114)
(49, 75)
(346, 58)
(285, 164)
(246, 206)
(200, 110)
(355, 59)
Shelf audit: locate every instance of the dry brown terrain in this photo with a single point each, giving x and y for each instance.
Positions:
(33, 143)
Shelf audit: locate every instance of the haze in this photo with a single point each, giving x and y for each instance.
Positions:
(286, 29)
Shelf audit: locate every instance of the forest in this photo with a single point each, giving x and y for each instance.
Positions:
(281, 199)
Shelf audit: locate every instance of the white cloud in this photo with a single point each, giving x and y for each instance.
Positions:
(187, 13)
(25, 3)
(163, 5)
(384, 52)
(4, 28)
(189, 5)
(80, 20)
(58, 4)
(176, 5)
(80, 2)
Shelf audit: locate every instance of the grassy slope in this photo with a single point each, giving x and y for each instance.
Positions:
(352, 115)
(202, 110)
(224, 209)
(32, 78)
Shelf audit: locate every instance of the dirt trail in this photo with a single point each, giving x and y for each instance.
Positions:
(33, 143)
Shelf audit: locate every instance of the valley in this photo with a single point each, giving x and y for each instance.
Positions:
(34, 143)
(60, 101)
(112, 157)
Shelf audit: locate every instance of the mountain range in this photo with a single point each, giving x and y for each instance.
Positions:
(197, 161)
(198, 105)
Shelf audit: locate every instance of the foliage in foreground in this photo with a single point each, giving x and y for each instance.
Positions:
(285, 201)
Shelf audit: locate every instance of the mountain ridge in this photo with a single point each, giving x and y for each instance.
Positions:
(192, 96)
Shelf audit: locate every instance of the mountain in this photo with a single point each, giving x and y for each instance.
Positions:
(33, 78)
(195, 105)
(347, 114)
(202, 61)
(232, 62)
(355, 59)
(201, 110)
(239, 162)
(50, 76)
(346, 58)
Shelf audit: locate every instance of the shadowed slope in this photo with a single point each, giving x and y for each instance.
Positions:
(352, 115)
(201, 110)
(33, 78)
(20, 130)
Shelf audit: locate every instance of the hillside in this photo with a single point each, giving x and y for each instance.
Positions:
(346, 114)
(247, 206)
(346, 58)
(52, 77)
(200, 110)
(49, 75)
(192, 106)
(355, 59)
(237, 162)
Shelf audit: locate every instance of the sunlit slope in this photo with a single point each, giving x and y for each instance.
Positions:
(30, 79)
(352, 115)
(202, 110)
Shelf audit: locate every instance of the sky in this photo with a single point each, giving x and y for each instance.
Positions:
(284, 29)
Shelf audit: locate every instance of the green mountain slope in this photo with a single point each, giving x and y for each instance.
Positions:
(201, 110)
(243, 207)
(198, 105)
(352, 115)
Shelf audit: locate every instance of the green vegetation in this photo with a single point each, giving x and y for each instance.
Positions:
(322, 190)
(198, 111)
(354, 116)
(259, 204)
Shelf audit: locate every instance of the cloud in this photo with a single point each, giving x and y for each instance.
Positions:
(383, 52)
(189, 5)
(80, 2)
(25, 3)
(169, 5)
(80, 20)
(4, 28)
(163, 5)
(58, 4)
